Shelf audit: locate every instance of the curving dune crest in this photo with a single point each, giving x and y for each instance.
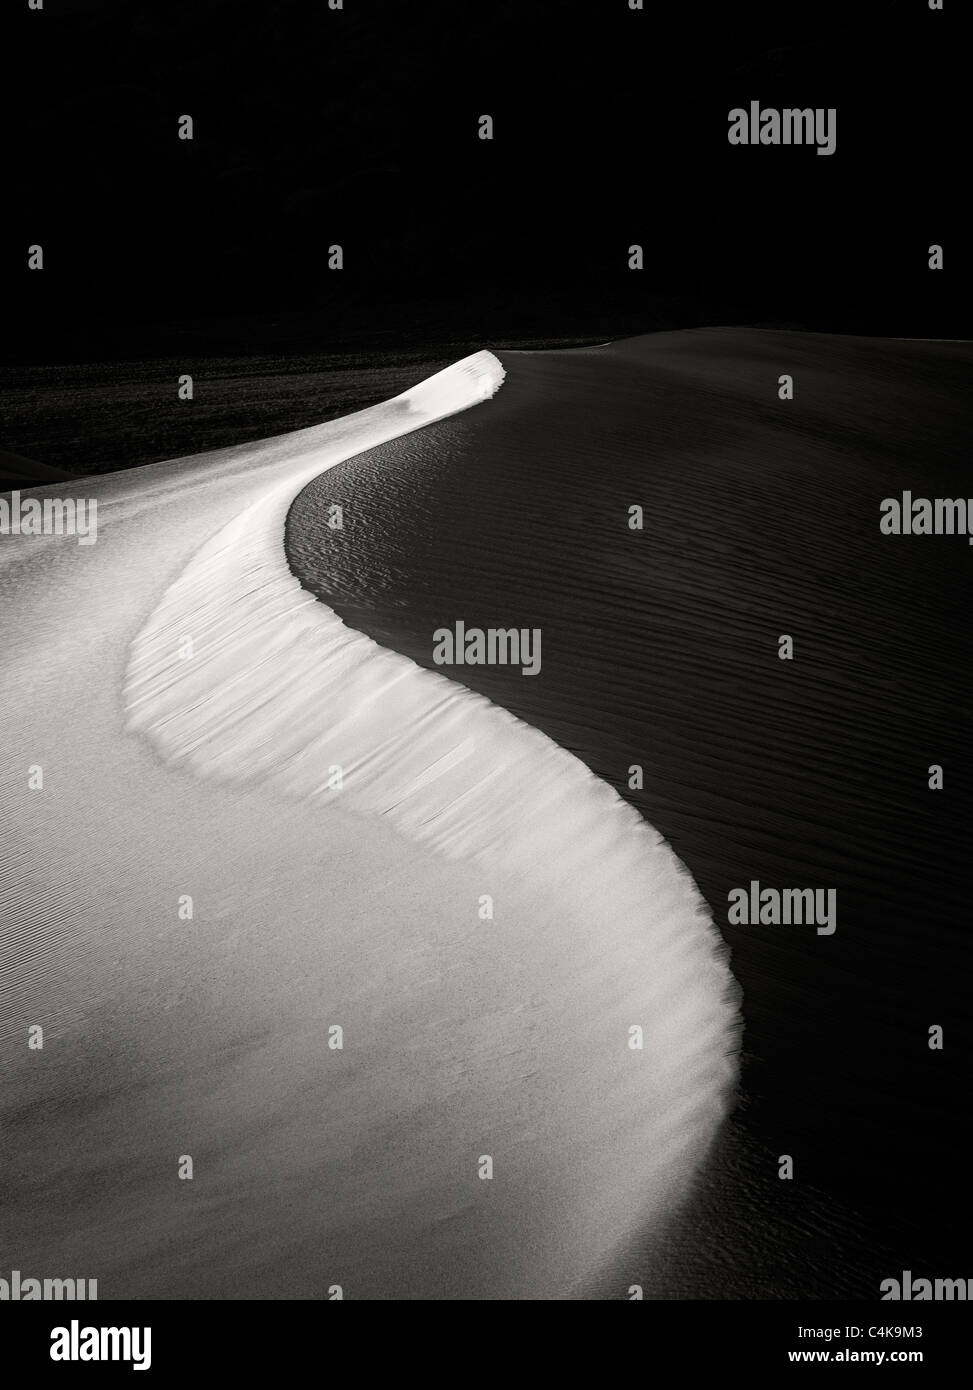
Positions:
(517, 1029)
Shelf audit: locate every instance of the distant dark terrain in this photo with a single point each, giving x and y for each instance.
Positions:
(80, 418)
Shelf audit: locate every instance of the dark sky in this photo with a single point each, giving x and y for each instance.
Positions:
(360, 127)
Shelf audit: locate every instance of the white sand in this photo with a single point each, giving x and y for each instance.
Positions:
(314, 907)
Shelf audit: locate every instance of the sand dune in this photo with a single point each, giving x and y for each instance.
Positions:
(315, 907)
(761, 517)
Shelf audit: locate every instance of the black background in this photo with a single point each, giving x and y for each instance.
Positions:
(359, 127)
